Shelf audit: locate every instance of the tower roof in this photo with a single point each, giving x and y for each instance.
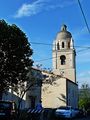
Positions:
(63, 34)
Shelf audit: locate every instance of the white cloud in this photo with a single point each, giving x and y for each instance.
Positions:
(28, 9)
(40, 5)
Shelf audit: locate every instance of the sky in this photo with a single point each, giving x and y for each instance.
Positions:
(41, 20)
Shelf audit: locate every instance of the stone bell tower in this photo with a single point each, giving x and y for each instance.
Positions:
(64, 55)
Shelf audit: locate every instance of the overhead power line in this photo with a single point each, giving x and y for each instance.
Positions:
(48, 44)
(84, 16)
(59, 56)
(40, 43)
(83, 50)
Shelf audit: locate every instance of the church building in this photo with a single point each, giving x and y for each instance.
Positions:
(58, 87)
(64, 89)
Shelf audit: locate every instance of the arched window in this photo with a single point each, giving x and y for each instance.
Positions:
(62, 44)
(63, 58)
(58, 47)
(68, 44)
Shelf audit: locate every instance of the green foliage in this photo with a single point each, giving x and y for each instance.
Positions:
(15, 53)
(84, 103)
(84, 97)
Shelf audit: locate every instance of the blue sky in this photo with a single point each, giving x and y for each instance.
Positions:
(42, 19)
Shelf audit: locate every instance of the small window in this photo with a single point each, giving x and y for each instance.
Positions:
(63, 58)
(58, 47)
(68, 44)
(62, 44)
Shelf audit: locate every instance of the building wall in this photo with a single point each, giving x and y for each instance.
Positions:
(72, 94)
(58, 91)
(8, 96)
(66, 72)
(33, 95)
(54, 95)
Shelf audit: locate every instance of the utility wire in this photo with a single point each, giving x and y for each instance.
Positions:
(59, 45)
(84, 16)
(59, 56)
(87, 47)
(40, 43)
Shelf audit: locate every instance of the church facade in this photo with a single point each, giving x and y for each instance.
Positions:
(64, 90)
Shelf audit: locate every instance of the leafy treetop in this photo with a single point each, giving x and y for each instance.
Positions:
(15, 55)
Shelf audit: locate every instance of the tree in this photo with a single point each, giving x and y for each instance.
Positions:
(15, 56)
(84, 97)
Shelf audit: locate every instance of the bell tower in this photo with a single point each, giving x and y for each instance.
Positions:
(64, 55)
